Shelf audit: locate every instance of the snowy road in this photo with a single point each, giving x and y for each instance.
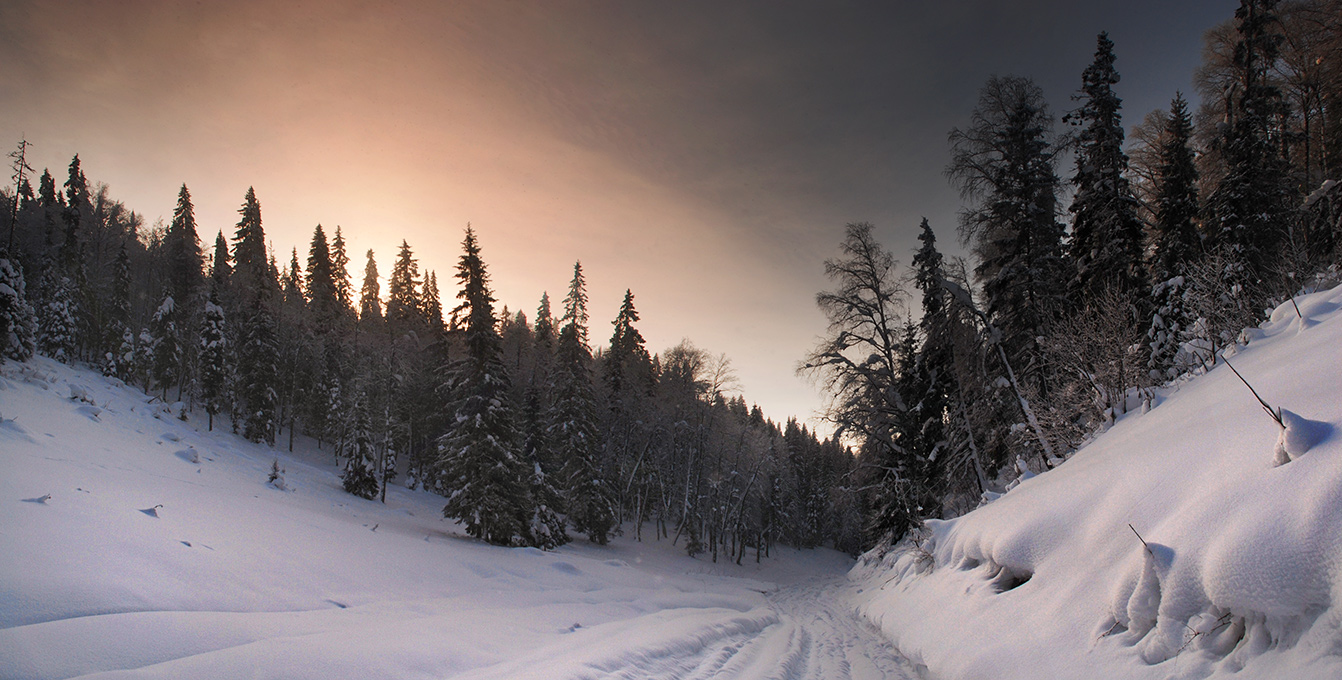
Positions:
(807, 630)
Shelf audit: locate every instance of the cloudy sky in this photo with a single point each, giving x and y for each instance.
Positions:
(706, 155)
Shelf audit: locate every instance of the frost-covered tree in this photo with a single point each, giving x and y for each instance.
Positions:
(214, 359)
(359, 477)
(18, 322)
(167, 343)
(478, 462)
(572, 430)
(1106, 232)
(58, 332)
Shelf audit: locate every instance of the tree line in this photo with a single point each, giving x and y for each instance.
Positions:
(1176, 241)
(529, 433)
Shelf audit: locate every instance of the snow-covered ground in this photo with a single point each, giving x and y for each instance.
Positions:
(1232, 566)
(133, 544)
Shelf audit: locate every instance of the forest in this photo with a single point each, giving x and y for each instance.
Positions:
(949, 379)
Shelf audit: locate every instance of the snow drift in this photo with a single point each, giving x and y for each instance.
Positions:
(1173, 546)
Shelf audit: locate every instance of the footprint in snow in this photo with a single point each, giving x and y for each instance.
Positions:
(40, 499)
(152, 512)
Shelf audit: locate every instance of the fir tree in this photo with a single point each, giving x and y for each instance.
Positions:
(403, 307)
(1175, 240)
(478, 463)
(251, 270)
(220, 269)
(628, 358)
(57, 330)
(1004, 162)
(181, 246)
(370, 304)
(572, 430)
(167, 344)
(253, 281)
(1249, 207)
(76, 212)
(340, 273)
(322, 296)
(359, 477)
(431, 304)
(18, 322)
(1106, 233)
(214, 359)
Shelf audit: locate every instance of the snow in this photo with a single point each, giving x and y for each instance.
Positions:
(137, 545)
(1232, 566)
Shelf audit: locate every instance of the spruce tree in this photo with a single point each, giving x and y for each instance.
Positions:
(340, 273)
(1106, 233)
(76, 213)
(167, 343)
(322, 297)
(359, 477)
(1249, 208)
(214, 359)
(572, 430)
(370, 304)
(403, 309)
(181, 246)
(1175, 241)
(18, 322)
(628, 361)
(57, 331)
(430, 303)
(254, 284)
(1004, 163)
(478, 463)
(220, 269)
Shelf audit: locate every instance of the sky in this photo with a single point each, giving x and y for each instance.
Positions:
(705, 155)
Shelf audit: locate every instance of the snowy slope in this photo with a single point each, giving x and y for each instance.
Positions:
(1241, 570)
(161, 552)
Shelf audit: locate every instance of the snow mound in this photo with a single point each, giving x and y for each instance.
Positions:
(1232, 566)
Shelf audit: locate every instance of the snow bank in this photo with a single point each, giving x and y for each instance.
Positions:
(1232, 565)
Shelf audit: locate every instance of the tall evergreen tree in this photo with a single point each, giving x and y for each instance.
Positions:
(181, 246)
(479, 466)
(167, 346)
(340, 273)
(322, 297)
(214, 359)
(1106, 233)
(1004, 163)
(254, 284)
(628, 360)
(220, 269)
(403, 307)
(1175, 240)
(77, 212)
(370, 303)
(431, 304)
(18, 322)
(1249, 208)
(251, 269)
(572, 431)
(359, 477)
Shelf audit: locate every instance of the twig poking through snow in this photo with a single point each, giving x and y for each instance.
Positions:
(1143, 540)
(1270, 411)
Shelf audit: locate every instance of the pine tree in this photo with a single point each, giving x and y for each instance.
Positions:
(1175, 240)
(370, 304)
(181, 246)
(403, 308)
(431, 304)
(220, 269)
(167, 344)
(359, 477)
(340, 273)
(251, 270)
(1004, 162)
(1249, 210)
(253, 282)
(572, 430)
(628, 359)
(1106, 233)
(478, 463)
(322, 296)
(214, 359)
(58, 333)
(18, 322)
(77, 211)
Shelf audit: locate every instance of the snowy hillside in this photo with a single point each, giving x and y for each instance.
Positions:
(133, 544)
(1238, 568)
